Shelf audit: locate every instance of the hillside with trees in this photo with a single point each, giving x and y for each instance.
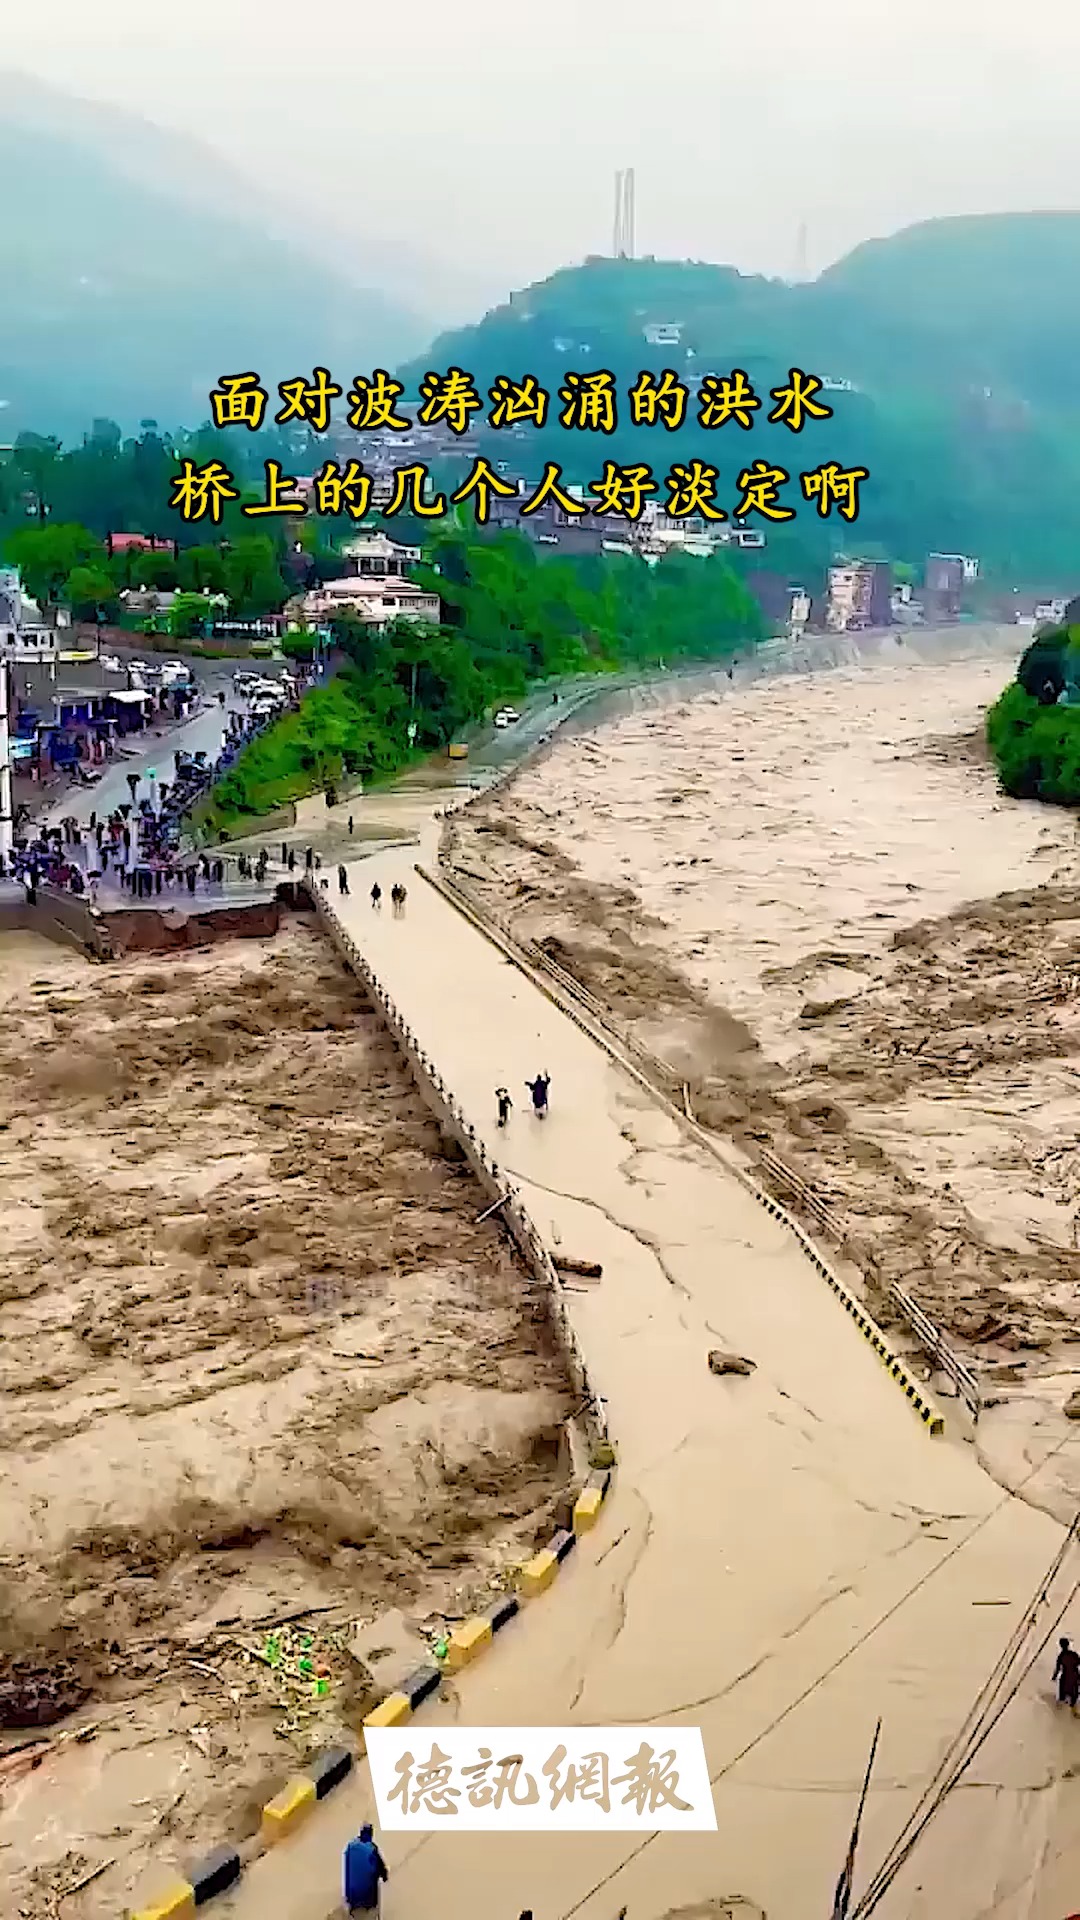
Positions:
(964, 396)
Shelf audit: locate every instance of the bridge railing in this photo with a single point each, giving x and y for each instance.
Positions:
(663, 1078)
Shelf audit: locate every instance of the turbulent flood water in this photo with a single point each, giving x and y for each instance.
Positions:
(798, 824)
(826, 861)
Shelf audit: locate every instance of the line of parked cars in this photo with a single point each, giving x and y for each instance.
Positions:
(265, 697)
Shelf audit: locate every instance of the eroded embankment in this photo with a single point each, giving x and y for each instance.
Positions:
(812, 900)
(259, 1360)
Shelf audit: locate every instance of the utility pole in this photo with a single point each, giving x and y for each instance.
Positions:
(622, 238)
(844, 1886)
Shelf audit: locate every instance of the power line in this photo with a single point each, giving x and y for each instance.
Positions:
(981, 1719)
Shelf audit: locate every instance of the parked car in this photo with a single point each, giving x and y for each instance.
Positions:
(507, 717)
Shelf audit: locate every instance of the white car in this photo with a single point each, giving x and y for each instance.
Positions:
(507, 717)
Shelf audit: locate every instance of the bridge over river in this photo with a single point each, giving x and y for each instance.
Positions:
(785, 1557)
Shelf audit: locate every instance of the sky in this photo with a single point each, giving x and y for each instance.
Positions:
(483, 136)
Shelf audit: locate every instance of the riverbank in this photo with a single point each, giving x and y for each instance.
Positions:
(813, 899)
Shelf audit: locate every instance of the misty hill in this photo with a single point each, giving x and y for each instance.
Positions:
(138, 269)
(965, 399)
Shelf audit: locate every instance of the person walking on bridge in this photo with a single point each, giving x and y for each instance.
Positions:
(539, 1091)
(1067, 1674)
(364, 1871)
(504, 1103)
(376, 896)
(342, 880)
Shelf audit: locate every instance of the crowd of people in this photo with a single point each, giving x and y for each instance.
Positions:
(136, 848)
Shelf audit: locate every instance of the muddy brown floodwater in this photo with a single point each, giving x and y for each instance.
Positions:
(810, 897)
(261, 1368)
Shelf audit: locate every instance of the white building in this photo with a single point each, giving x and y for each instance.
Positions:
(374, 554)
(663, 333)
(374, 600)
(23, 634)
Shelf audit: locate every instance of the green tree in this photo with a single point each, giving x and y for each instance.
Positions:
(91, 593)
(36, 459)
(299, 643)
(201, 567)
(189, 616)
(47, 556)
(253, 580)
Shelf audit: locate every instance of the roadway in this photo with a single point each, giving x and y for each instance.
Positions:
(153, 749)
(785, 1557)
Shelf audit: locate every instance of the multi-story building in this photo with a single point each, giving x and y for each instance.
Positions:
(944, 579)
(24, 635)
(376, 602)
(859, 595)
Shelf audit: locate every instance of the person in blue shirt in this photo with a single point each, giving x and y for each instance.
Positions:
(365, 1869)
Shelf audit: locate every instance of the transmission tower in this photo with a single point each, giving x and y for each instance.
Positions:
(623, 232)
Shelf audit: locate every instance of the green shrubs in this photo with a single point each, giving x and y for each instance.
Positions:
(1036, 748)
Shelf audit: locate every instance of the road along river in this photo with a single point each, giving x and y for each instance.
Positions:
(785, 1558)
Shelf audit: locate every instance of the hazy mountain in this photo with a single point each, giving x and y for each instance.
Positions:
(433, 291)
(139, 267)
(991, 296)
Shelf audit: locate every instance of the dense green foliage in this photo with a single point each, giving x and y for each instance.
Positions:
(64, 562)
(1035, 740)
(966, 395)
(512, 615)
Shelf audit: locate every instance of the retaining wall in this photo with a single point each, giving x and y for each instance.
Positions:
(59, 916)
(161, 930)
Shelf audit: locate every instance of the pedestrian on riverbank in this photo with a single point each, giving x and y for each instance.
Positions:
(1067, 1674)
(350, 826)
(364, 1872)
(504, 1104)
(539, 1091)
(376, 896)
(342, 880)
